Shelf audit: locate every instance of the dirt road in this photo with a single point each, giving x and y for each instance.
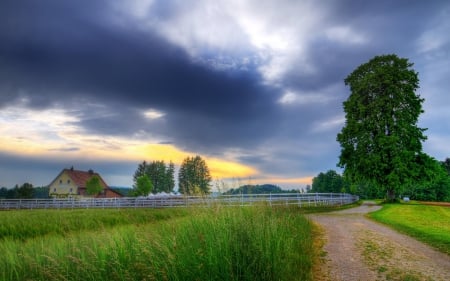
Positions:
(356, 248)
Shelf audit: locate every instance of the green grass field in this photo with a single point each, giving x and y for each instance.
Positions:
(429, 224)
(217, 243)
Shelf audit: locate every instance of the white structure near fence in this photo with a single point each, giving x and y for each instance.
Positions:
(170, 200)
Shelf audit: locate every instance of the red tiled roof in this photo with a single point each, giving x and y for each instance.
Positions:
(81, 177)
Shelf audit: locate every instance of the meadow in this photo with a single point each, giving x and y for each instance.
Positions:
(218, 243)
(429, 224)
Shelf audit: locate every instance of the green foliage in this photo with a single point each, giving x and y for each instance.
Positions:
(160, 174)
(257, 189)
(9, 193)
(194, 177)
(381, 139)
(331, 181)
(446, 165)
(93, 186)
(41, 192)
(367, 190)
(4, 193)
(432, 183)
(25, 191)
(143, 186)
(213, 244)
(430, 224)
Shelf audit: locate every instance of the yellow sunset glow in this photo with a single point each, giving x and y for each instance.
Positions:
(54, 134)
(219, 168)
(226, 169)
(118, 150)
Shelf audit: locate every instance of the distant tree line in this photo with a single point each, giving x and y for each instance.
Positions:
(25, 191)
(432, 185)
(258, 189)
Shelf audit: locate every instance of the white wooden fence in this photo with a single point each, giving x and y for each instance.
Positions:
(299, 199)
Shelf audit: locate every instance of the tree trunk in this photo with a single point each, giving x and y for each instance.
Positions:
(390, 195)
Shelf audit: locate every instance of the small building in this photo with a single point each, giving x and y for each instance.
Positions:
(71, 183)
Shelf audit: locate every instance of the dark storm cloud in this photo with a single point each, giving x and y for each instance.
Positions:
(107, 68)
(66, 53)
(386, 27)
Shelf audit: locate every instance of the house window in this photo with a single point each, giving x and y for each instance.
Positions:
(70, 190)
(54, 189)
(60, 181)
(68, 181)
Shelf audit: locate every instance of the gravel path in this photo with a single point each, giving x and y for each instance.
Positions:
(356, 248)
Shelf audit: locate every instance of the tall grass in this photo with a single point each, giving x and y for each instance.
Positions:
(250, 243)
(26, 224)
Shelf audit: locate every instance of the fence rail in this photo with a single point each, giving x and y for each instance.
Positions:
(300, 199)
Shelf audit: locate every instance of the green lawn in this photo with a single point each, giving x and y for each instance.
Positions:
(429, 224)
(218, 243)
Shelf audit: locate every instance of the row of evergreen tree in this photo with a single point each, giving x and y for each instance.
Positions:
(193, 178)
(25, 191)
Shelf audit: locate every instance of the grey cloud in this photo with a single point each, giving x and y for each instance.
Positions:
(78, 55)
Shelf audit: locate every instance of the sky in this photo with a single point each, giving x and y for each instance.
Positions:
(255, 87)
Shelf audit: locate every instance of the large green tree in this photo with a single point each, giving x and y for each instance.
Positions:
(194, 177)
(381, 140)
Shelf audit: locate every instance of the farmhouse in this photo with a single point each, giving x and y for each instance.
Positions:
(72, 183)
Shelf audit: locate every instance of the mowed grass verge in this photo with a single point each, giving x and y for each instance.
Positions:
(429, 224)
(219, 243)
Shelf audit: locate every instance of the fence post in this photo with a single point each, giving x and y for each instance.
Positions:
(270, 199)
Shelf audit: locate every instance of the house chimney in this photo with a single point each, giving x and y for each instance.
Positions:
(71, 168)
(91, 172)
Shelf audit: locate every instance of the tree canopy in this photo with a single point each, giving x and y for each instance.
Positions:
(330, 181)
(433, 182)
(380, 141)
(24, 191)
(446, 165)
(160, 175)
(143, 186)
(194, 177)
(93, 186)
(257, 189)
